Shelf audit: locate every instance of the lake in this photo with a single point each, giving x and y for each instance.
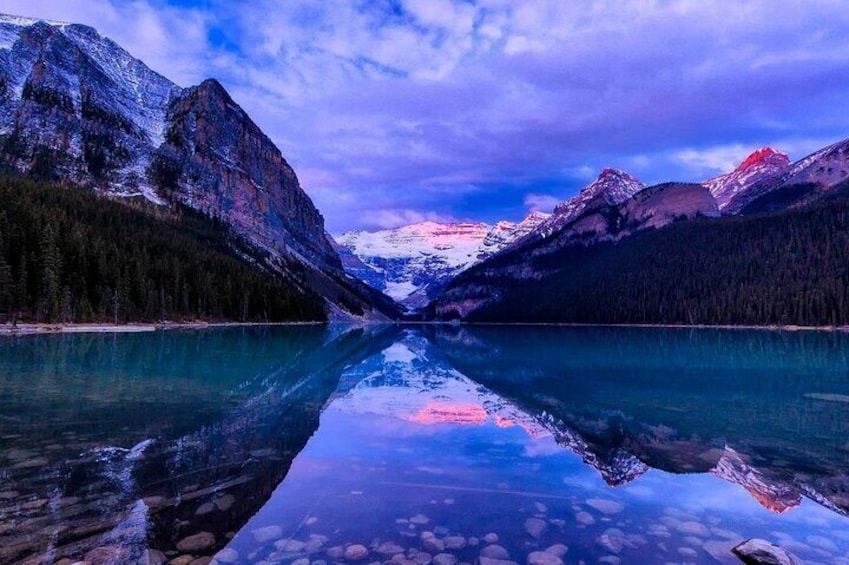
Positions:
(423, 445)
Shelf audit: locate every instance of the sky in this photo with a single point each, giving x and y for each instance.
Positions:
(398, 111)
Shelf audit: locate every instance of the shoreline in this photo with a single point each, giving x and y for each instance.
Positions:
(141, 327)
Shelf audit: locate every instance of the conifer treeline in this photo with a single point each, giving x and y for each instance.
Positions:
(68, 255)
(790, 267)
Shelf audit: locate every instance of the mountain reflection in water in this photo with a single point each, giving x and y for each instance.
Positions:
(423, 444)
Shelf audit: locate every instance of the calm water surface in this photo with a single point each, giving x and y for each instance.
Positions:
(315, 446)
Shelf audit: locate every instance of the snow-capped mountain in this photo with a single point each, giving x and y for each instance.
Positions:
(612, 186)
(822, 174)
(76, 107)
(761, 165)
(409, 262)
(505, 233)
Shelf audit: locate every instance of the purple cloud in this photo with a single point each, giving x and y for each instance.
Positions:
(486, 109)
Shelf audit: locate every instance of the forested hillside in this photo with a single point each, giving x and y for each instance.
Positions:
(790, 267)
(69, 255)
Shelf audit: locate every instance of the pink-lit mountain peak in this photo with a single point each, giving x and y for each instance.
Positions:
(766, 156)
(760, 165)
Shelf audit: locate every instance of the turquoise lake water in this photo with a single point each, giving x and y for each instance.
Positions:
(423, 445)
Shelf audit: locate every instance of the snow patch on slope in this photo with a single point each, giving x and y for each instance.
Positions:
(410, 259)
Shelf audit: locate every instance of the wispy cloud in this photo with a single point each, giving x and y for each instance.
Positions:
(541, 202)
(408, 104)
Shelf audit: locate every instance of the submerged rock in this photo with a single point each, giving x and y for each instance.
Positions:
(455, 542)
(761, 552)
(268, 533)
(196, 543)
(543, 558)
(535, 527)
(433, 544)
(105, 554)
(491, 538)
(444, 559)
(558, 549)
(584, 518)
(228, 555)
(495, 552)
(605, 506)
(389, 548)
(613, 540)
(419, 519)
(356, 552)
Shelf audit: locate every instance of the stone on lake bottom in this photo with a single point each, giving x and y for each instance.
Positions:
(490, 561)
(433, 545)
(473, 541)
(613, 540)
(543, 558)
(356, 552)
(444, 559)
(605, 506)
(105, 554)
(687, 552)
(336, 552)
(495, 552)
(153, 557)
(584, 518)
(301, 561)
(182, 560)
(196, 543)
(389, 548)
(228, 555)
(205, 509)
(225, 502)
(419, 520)
(693, 529)
(455, 542)
(761, 552)
(421, 558)
(558, 549)
(490, 538)
(268, 533)
(535, 527)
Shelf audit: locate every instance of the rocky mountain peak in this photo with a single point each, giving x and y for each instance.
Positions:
(759, 166)
(766, 156)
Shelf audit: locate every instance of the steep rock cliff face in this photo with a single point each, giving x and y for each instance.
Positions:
(70, 111)
(216, 160)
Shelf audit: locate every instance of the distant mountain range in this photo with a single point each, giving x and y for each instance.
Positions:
(464, 275)
(767, 243)
(75, 107)
(411, 263)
